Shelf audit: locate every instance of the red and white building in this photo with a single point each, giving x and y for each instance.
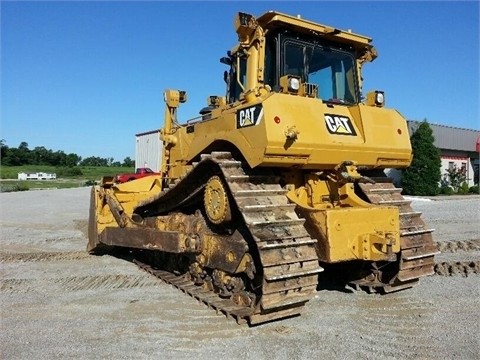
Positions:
(458, 147)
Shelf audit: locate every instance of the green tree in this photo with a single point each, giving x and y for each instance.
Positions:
(40, 155)
(3, 150)
(13, 157)
(24, 153)
(72, 159)
(23, 146)
(94, 161)
(423, 175)
(127, 162)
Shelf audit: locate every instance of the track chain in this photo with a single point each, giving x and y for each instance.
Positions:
(417, 249)
(184, 283)
(288, 256)
(287, 260)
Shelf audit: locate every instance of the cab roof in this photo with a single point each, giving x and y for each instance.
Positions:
(272, 20)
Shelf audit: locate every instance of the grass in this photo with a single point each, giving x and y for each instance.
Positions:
(90, 174)
(23, 185)
(96, 172)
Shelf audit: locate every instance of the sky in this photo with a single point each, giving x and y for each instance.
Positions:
(85, 77)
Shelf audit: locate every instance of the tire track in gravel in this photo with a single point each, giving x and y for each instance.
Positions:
(463, 268)
(77, 283)
(458, 268)
(80, 283)
(455, 246)
(398, 321)
(43, 256)
(70, 283)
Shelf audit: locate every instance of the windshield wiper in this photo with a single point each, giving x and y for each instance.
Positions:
(337, 102)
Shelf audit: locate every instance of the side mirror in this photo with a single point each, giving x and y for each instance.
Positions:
(226, 61)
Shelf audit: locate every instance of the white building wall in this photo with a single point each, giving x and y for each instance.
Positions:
(148, 150)
(459, 162)
(446, 163)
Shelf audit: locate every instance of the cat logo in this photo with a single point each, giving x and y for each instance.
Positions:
(339, 125)
(249, 116)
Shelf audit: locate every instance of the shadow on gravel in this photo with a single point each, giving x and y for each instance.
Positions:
(334, 287)
(117, 252)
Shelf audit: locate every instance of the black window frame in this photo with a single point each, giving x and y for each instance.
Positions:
(275, 64)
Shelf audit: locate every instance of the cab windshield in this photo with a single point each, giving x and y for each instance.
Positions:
(330, 67)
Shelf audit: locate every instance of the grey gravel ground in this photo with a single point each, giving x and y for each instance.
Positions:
(59, 302)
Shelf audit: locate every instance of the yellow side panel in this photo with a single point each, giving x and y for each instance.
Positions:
(330, 134)
(355, 233)
(326, 134)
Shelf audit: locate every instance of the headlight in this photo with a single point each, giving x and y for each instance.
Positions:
(376, 98)
(293, 84)
(379, 98)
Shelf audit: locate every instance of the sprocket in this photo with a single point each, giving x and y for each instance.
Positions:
(217, 206)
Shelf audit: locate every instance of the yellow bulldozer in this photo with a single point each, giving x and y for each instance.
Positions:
(278, 186)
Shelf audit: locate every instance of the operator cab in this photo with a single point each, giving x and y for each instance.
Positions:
(297, 57)
(329, 70)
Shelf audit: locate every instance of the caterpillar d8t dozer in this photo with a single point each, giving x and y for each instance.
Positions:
(275, 182)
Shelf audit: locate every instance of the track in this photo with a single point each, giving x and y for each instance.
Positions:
(184, 283)
(417, 249)
(286, 269)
